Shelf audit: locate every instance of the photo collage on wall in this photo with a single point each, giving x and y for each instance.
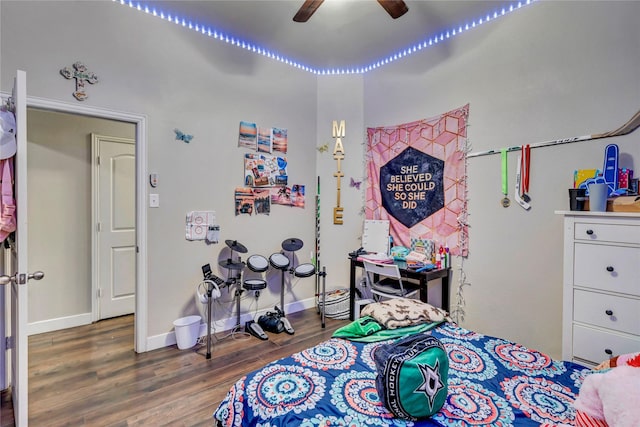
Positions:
(266, 181)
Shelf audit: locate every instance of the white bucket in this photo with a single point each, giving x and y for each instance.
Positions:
(187, 331)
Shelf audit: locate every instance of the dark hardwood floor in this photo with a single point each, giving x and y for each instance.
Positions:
(90, 375)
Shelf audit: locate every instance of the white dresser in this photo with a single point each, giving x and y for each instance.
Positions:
(601, 289)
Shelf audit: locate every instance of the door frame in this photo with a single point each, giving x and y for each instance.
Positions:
(140, 121)
(96, 260)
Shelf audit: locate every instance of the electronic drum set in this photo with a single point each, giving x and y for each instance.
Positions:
(259, 264)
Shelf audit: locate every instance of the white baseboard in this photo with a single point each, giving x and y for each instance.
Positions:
(59, 323)
(169, 338)
(166, 339)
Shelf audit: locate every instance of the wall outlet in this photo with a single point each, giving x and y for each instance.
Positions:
(154, 200)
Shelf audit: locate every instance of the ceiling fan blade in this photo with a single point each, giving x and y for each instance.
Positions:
(306, 10)
(395, 8)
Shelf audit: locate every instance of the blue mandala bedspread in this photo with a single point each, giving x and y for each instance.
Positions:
(492, 382)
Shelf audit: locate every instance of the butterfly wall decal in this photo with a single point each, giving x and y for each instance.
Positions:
(181, 136)
(355, 183)
(323, 148)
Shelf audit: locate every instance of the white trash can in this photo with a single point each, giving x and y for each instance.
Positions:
(187, 331)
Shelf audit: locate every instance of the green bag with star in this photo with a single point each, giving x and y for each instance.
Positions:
(412, 376)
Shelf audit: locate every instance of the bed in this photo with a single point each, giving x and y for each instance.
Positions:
(491, 382)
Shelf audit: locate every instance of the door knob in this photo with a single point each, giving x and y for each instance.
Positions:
(38, 275)
(5, 280)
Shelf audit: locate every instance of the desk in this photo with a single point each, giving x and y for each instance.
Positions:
(423, 277)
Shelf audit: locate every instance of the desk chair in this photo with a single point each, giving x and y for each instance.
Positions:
(389, 283)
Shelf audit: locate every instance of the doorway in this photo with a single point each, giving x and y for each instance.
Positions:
(136, 125)
(62, 227)
(140, 330)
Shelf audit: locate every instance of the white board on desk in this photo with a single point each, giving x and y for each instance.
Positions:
(375, 236)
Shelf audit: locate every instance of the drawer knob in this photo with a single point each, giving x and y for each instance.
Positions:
(608, 351)
(609, 312)
(589, 232)
(609, 268)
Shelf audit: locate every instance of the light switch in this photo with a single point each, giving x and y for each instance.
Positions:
(154, 200)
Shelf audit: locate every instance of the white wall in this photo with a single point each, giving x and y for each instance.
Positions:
(340, 98)
(178, 79)
(551, 70)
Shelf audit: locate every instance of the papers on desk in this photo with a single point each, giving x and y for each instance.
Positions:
(415, 256)
(375, 236)
(377, 257)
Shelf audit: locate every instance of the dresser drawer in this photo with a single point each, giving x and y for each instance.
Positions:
(596, 345)
(592, 308)
(592, 264)
(617, 233)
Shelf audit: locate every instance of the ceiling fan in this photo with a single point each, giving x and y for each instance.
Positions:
(395, 8)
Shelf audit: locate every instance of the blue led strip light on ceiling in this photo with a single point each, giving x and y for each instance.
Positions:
(431, 41)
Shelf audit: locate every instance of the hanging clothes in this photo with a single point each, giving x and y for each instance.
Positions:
(7, 201)
(7, 133)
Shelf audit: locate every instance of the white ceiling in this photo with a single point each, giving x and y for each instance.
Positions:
(340, 34)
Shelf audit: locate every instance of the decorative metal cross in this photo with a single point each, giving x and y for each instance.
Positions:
(81, 75)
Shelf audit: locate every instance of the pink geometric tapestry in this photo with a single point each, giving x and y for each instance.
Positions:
(416, 179)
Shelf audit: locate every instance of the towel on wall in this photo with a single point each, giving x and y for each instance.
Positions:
(416, 179)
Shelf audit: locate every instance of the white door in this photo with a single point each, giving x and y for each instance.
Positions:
(18, 275)
(115, 198)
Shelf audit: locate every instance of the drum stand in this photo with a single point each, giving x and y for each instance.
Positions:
(228, 282)
(302, 270)
(229, 264)
(323, 274)
(213, 282)
(288, 245)
(285, 322)
(282, 291)
(209, 301)
(237, 294)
